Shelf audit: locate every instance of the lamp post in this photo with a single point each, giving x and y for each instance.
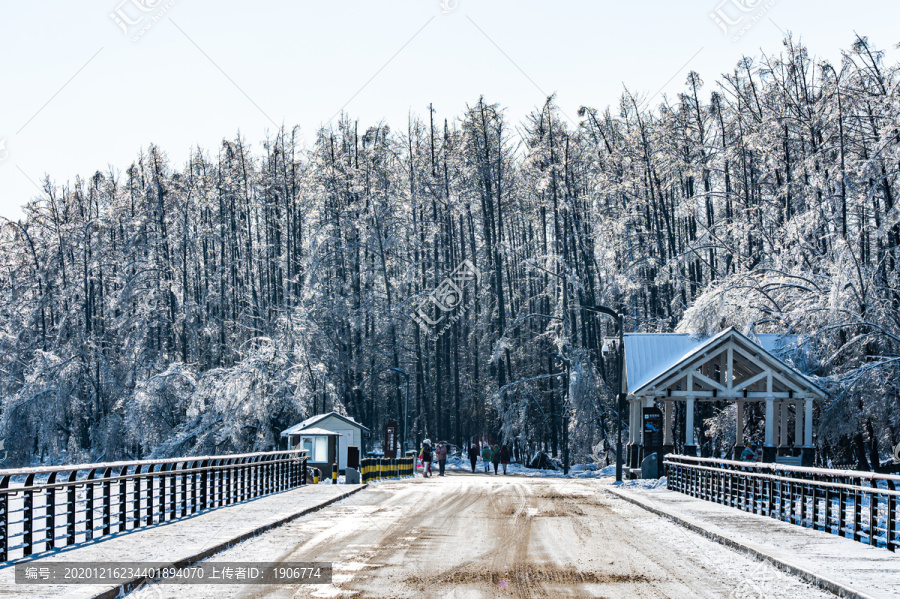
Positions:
(565, 421)
(619, 358)
(405, 408)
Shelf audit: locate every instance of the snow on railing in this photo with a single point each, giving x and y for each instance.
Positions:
(850, 503)
(76, 503)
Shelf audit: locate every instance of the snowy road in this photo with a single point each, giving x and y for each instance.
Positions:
(469, 536)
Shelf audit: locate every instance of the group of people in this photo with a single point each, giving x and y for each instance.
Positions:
(490, 455)
(427, 455)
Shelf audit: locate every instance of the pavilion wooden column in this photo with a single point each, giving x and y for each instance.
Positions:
(667, 423)
(635, 420)
(798, 424)
(783, 424)
(769, 448)
(632, 431)
(809, 451)
(739, 428)
(689, 447)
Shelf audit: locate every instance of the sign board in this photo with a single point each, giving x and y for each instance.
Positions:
(653, 427)
(390, 440)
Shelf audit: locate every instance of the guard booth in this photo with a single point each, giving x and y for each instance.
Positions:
(322, 446)
(319, 431)
(662, 370)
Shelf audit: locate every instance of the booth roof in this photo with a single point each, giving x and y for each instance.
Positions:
(310, 432)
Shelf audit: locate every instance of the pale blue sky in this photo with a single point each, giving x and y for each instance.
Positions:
(77, 94)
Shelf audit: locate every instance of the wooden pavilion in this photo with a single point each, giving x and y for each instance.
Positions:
(662, 369)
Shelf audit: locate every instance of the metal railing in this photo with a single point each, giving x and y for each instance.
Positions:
(49, 507)
(381, 468)
(862, 506)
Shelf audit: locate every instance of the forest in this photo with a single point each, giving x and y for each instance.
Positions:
(201, 308)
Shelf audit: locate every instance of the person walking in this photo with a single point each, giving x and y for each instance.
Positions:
(473, 455)
(441, 455)
(495, 457)
(426, 457)
(486, 457)
(504, 457)
(749, 453)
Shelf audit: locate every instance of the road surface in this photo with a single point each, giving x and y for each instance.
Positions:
(470, 536)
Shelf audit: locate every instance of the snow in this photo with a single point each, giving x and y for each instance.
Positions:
(576, 471)
(870, 570)
(644, 483)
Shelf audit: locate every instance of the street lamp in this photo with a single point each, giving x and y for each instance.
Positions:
(405, 408)
(621, 399)
(565, 422)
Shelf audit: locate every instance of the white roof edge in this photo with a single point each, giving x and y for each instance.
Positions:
(312, 431)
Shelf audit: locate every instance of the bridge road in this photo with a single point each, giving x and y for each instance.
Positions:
(471, 536)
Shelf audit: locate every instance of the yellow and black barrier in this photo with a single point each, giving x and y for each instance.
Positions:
(382, 468)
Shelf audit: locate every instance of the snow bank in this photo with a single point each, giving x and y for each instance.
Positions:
(576, 471)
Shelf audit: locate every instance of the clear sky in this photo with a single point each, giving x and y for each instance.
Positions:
(78, 93)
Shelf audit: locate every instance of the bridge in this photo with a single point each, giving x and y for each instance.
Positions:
(716, 528)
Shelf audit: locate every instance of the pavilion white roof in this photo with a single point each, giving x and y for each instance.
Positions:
(648, 355)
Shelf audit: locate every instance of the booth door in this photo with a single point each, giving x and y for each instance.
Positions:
(344, 440)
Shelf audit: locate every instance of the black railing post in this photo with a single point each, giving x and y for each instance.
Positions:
(136, 496)
(261, 476)
(204, 485)
(248, 478)
(814, 505)
(123, 502)
(305, 471)
(89, 506)
(4, 519)
(229, 499)
(251, 478)
(173, 490)
(27, 515)
(249, 482)
(150, 485)
(209, 474)
(183, 491)
(240, 480)
(163, 479)
(107, 500)
(50, 512)
(71, 508)
(873, 515)
(193, 469)
(223, 470)
(891, 520)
